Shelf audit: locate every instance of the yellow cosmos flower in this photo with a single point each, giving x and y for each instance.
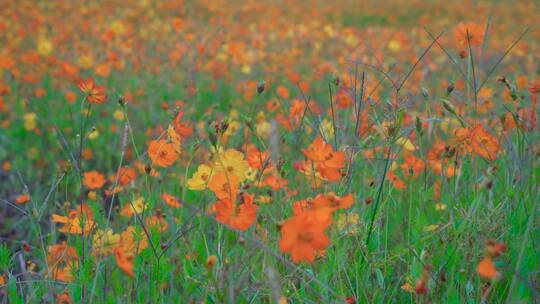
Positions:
(233, 162)
(201, 178)
(104, 241)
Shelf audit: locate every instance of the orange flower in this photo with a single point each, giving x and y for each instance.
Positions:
(535, 87)
(124, 261)
(162, 153)
(94, 93)
(327, 161)
(439, 158)
(302, 236)
(64, 298)
(21, 199)
(469, 32)
(157, 222)
(486, 269)
(126, 175)
(238, 216)
(171, 200)
(476, 139)
(332, 201)
(224, 185)
(61, 259)
(395, 180)
(75, 221)
(94, 180)
(182, 128)
(412, 166)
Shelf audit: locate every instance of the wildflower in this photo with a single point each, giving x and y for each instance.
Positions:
(21, 199)
(137, 206)
(232, 162)
(412, 166)
(94, 93)
(477, 140)
(61, 260)
(469, 33)
(535, 87)
(124, 261)
(94, 180)
(239, 216)
(211, 261)
(30, 121)
(303, 236)
(132, 240)
(157, 222)
(64, 298)
(201, 178)
(224, 185)
(326, 161)
(170, 200)
(162, 153)
(126, 175)
(78, 219)
(486, 268)
(104, 241)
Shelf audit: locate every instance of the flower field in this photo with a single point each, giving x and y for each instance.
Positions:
(227, 151)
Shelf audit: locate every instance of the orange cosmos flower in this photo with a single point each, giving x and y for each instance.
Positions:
(94, 93)
(535, 87)
(124, 261)
(327, 161)
(477, 140)
(486, 268)
(412, 166)
(182, 128)
(61, 259)
(21, 199)
(170, 200)
(469, 32)
(332, 201)
(238, 216)
(224, 185)
(303, 236)
(126, 175)
(94, 180)
(162, 153)
(75, 221)
(157, 222)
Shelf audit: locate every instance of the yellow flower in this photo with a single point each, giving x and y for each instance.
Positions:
(348, 223)
(327, 128)
(406, 143)
(201, 178)
(44, 47)
(137, 206)
(85, 61)
(394, 45)
(440, 206)
(118, 115)
(104, 241)
(92, 195)
(93, 134)
(234, 126)
(29, 121)
(233, 162)
(263, 129)
(118, 27)
(175, 139)
(430, 228)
